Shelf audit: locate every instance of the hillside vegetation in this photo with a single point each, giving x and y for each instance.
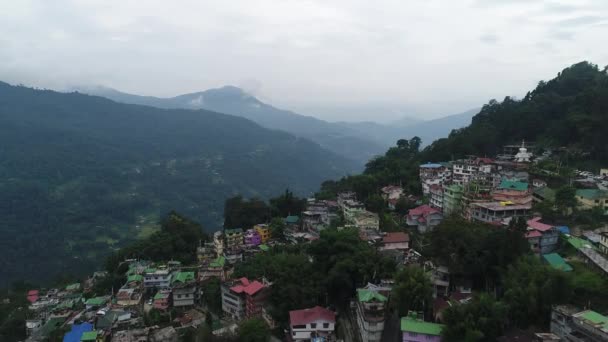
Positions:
(82, 175)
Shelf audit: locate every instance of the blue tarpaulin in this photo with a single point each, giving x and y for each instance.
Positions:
(76, 333)
(564, 229)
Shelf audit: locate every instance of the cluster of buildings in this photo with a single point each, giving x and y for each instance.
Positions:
(573, 324)
(117, 316)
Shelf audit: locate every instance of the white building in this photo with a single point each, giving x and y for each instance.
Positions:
(304, 325)
(157, 278)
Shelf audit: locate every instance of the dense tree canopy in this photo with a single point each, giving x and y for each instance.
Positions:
(570, 110)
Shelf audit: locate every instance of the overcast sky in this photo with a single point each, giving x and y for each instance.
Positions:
(325, 58)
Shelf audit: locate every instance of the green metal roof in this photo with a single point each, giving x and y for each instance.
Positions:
(592, 194)
(219, 262)
(95, 301)
(292, 219)
(578, 243)
(73, 287)
(51, 325)
(265, 248)
(89, 336)
(595, 318)
(545, 193)
(370, 296)
(514, 185)
(160, 295)
(135, 277)
(409, 324)
(184, 277)
(557, 262)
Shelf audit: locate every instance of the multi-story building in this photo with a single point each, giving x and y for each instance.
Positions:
(604, 242)
(543, 238)
(350, 208)
(159, 278)
(244, 299)
(365, 220)
(206, 253)
(591, 198)
(572, 324)
(513, 192)
(214, 269)
(424, 218)
(309, 324)
(234, 240)
(252, 238)
(264, 231)
(440, 279)
(184, 289)
(452, 199)
(415, 329)
(218, 243)
(436, 197)
(371, 305)
(498, 212)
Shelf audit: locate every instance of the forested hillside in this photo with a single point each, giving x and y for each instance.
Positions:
(570, 110)
(81, 175)
(337, 138)
(568, 114)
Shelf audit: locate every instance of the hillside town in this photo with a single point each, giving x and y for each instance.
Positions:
(494, 191)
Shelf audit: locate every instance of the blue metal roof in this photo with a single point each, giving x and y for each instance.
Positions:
(563, 229)
(76, 333)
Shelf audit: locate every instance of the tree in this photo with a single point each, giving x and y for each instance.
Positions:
(242, 213)
(212, 295)
(277, 228)
(287, 204)
(531, 289)
(565, 198)
(482, 319)
(254, 330)
(412, 290)
(375, 203)
(403, 205)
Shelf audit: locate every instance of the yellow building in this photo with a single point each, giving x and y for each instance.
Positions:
(590, 198)
(264, 231)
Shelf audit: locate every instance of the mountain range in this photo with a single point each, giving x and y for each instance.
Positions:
(81, 175)
(359, 141)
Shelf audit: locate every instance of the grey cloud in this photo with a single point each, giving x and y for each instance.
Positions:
(583, 20)
(489, 38)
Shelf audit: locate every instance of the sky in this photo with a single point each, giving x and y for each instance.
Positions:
(344, 60)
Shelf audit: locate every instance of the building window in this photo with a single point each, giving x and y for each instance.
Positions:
(325, 325)
(299, 327)
(313, 325)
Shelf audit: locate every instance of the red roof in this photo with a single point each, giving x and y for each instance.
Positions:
(423, 210)
(249, 288)
(536, 224)
(533, 234)
(33, 292)
(396, 237)
(484, 160)
(32, 298)
(302, 317)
